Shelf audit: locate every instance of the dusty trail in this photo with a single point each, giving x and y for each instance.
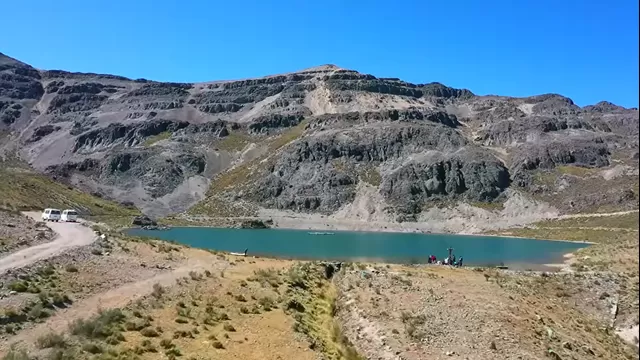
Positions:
(573, 216)
(69, 235)
(113, 298)
(586, 228)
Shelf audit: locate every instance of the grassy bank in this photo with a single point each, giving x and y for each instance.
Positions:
(25, 190)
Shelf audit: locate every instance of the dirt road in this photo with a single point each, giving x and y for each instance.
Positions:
(113, 298)
(575, 216)
(69, 235)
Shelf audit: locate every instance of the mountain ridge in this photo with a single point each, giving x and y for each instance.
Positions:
(314, 141)
(311, 68)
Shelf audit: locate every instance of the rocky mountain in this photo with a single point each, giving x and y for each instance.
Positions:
(324, 140)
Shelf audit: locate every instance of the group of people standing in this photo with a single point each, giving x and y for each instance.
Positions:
(449, 260)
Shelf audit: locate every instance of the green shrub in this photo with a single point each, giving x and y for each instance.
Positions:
(51, 340)
(16, 355)
(93, 348)
(173, 351)
(60, 300)
(166, 343)
(38, 312)
(149, 332)
(267, 303)
(158, 291)
(46, 271)
(18, 286)
(136, 324)
(195, 276)
(101, 326)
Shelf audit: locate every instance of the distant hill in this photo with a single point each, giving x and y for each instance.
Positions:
(325, 140)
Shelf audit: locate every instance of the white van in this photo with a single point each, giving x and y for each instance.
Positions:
(69, 215)
(51, 215)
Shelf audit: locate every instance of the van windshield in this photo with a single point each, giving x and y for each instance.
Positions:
(73, 213)
(55, 212)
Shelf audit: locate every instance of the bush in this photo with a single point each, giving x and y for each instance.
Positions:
(268, 276)
(195, 276)
(18, 286)
(101, 326)
(182, 320)
(240, 298)
(244, 310)
(60, 300)
(217, 345)
(173, 351)
(51, 340)
(93, 348)
(16, 355)
(158, 291)
(267, 303)
(166, 343)
(136, 325)
(228, 327)
(149, 332)
(115, 339)
(39, 312)
(46, 271)
(71, 268)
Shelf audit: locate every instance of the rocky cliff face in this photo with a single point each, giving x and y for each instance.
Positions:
(308, 141)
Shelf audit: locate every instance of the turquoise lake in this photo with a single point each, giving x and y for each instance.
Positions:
(371, 246)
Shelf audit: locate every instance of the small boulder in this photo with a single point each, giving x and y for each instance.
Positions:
(143, 220)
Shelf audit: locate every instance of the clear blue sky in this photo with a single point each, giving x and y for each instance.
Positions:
(587, 50)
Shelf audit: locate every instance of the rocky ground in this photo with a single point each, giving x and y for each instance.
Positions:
(440, 313)
(18, 232)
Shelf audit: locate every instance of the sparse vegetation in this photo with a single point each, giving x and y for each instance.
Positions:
(156, 138)
(235, 141)
(101, 326)
(24, 190)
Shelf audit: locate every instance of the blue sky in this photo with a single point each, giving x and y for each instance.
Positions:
(587, 50)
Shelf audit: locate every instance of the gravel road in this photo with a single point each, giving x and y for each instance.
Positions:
(68, 235)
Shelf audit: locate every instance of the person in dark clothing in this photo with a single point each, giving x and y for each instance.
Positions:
(460, 261)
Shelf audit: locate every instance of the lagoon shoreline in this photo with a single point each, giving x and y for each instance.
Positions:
(369, 228)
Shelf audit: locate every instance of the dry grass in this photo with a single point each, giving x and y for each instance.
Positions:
(580, 190)
(439, 316)
(220, 317)
(371, 176)
(576, 170)
(616, 250)
(235, 141)
(156, 138)
(26, 190)
(625, 221)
